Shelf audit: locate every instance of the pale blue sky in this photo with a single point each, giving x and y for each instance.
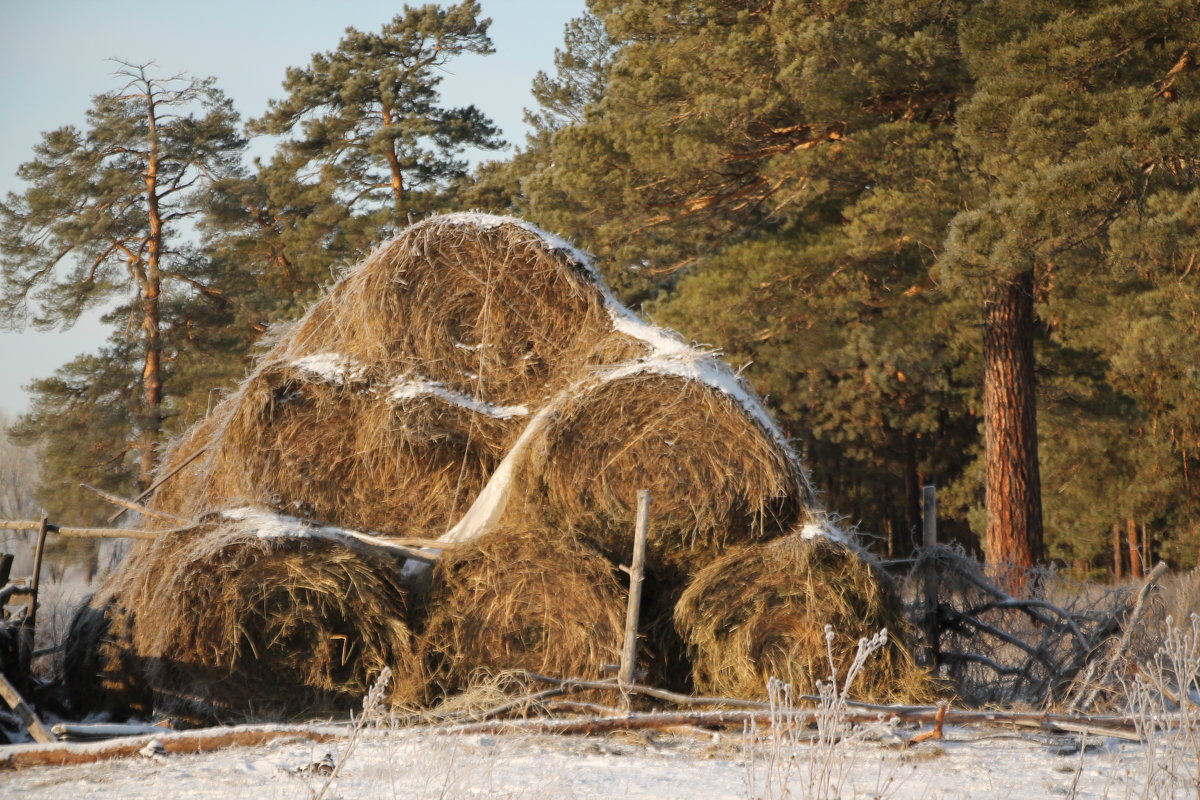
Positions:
(53, 55)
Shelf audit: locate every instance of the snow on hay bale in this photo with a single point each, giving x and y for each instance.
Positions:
(246, 615)
(761, 611)
(519, 598)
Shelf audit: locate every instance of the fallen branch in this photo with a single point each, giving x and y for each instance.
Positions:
(1120, 650)
(161, 481)
(575, 684)
(200, 741)
(1122, 727)
(29, 719)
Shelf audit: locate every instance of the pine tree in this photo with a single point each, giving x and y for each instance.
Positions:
(103, 212)
(370, 124)
(1076, 116)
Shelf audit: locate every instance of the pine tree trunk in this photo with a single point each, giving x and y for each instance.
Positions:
(1013, 483)
(1135, 554)
(394, 164)
(151, 321)
(1118, 558)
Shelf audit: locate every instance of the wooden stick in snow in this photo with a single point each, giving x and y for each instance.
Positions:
(633, 608)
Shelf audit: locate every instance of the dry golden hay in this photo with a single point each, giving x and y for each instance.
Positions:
(761, 611)
(717, 478)
(249, 616)
(356, 453)
(485, 306)
(521, 599)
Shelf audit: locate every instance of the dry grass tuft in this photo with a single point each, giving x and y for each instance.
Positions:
(760, 612)
(227, 622)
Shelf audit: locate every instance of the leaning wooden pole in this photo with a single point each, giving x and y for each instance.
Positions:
(28, 717)
(636, 571)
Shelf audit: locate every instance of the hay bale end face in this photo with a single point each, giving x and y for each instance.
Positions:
(523, 599)
(257, 617)
(760, 612)
(717, 479)
(357, 454)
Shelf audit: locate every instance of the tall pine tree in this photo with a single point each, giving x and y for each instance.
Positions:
(370, 123)
(102, 215)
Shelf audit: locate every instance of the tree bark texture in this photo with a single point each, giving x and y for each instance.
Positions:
(1118, 558)
(1135, 553)
(1013, 482)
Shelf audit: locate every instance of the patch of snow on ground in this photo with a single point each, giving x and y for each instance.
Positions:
(421, 765)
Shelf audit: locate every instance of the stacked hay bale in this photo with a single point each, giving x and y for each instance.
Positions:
(523, 598)
(247, 614)
(786, 609)
(474, 380)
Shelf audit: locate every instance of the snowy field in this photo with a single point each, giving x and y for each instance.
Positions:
(420, 765)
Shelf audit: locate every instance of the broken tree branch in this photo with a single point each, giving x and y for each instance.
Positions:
(134, 506)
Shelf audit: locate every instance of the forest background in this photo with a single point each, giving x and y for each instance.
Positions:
(952, 243)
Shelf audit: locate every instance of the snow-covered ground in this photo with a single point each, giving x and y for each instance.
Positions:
(418, 764)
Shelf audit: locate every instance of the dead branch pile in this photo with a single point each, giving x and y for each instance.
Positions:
(997, 649)
(244, 615)
(773, 609)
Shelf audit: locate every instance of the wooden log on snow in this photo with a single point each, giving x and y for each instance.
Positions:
(199, 741)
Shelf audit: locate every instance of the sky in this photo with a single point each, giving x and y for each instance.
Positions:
(53, 60)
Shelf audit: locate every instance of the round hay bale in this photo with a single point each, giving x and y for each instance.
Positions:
(716, 478)
(521, 599)
(257, 617)
(760, 612)
(487, 306)
(347, 453)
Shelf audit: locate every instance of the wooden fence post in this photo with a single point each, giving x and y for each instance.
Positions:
(633, 608)
(930, 578)
(29, 624)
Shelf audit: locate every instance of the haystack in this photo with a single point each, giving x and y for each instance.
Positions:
(474, 380)
(250, 615)
(761, 611)
(523, 599)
